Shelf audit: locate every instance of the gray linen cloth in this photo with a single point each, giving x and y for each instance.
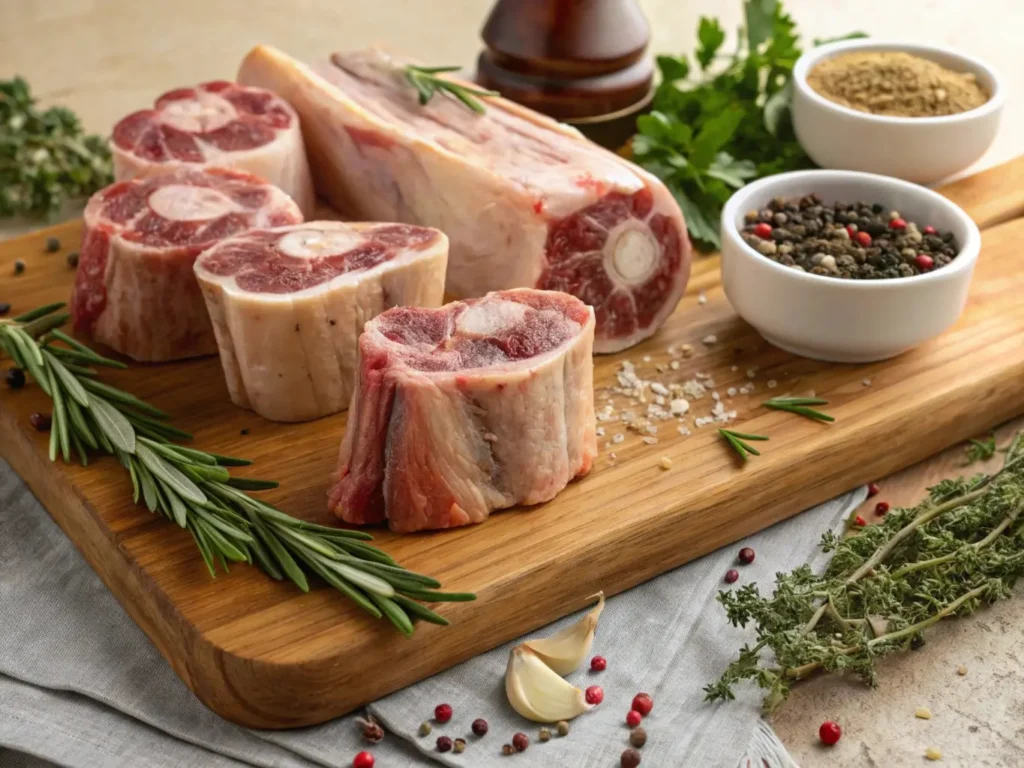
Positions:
(81, 685)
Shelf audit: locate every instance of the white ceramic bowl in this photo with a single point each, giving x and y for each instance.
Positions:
(919, 149)
(846, 321)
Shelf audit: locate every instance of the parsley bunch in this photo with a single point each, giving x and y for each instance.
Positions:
(46, 158)
(709, 135)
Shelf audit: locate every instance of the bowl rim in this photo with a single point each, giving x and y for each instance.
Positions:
(964, 260)
(809, 58)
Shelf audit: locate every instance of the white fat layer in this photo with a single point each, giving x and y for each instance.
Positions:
(313, 243)
(631, 254)
(489, 317)
(206, 112)
(181, 202)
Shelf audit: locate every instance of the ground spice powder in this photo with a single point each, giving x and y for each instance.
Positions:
(895, 83)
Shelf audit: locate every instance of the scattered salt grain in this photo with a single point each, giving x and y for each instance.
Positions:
(674, 365)
(650, 440)
(710, 339)
(684, 431)
(627, 417)
(734, 368)
(647, 358)
(693, 389)
(618, 438)
(751, 373)
(772, 383)
(666, 462)
(866, 382)
(490, 437)
(687, 350)
(679, 406)
(612, 456)
(731, 391)
(715, 396)
(599, 431)
(659, 389)
(702, 298)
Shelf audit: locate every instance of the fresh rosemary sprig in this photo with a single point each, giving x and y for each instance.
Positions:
(738, 442)
(195, 490)
(426, 82)
(799, 405)
(960, 548)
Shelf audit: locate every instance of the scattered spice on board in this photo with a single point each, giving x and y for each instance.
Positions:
(19, 267)
(897, 84)
(853, 241)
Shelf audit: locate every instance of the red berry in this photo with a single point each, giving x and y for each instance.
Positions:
(731, 575)
(858, 520)
(924, 262)
(747, 555)
(829, 733)
(443, 713)
(480, 727)
(599, 663)
(897, 224)
(444, 744)
(763, 230)
(633, 718)
(520, 741)
(41, 421)
(929, 230)
(643, 703)
(872, 489)
(595, 694)
(850, 230)
(362, 760)
(863, 239)
(881, 508)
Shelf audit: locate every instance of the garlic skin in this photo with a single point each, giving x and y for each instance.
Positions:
(537, 692)
(564, 651)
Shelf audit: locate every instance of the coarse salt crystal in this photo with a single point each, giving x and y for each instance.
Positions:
(679, 406)
(612, 456)
(687, 350)
(659, 389)
(599, 431)
(866, 382)
(674, 365)
(490, 437)
(751, 373)
(731, 391)
(618, 438)
(734, 368)
(647, 358)
(702, 298)
(772, 383)
(650, 440)
(627, 416)
(710, 339)
(683, 431)
(715, 396)
(666, 462)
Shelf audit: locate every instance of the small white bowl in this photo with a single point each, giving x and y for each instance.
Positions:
(846, 321)
(919, 149)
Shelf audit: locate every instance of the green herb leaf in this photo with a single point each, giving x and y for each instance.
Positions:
(169, 474)
(113, 423)
(760, 15)
(673, 68)
(710, 37)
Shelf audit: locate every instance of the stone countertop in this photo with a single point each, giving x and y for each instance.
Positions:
(105, 58)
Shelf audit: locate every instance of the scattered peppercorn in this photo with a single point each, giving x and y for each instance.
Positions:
(72, 259)
(41, 421)
(872, 489)
(460, 746)
(643, 703)
(961, 670)
(520, 741)
(599, 664)
(747, 555)
(633, 718)
(52, 245)
(444, 744)
(630, 758)
(929, 230)
(425, 729)
(508, 749)
(562, 727)
(443, 713)
(545, 734)
(881, 508)
(5, 307)
(830, 733)
(19, 266)
(847, 240)
(372, 730)
(731, 575)
(917, 642)
(480, 727)
(859, 521)
(638, 737)
(363, 760)
(15, 378)
(595, 694)
(244, 431)
(933, 754)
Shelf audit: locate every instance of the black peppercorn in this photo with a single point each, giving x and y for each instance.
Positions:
(73, 259)
(5, 307)
(19, 267)
(15, 378)
(52, 245)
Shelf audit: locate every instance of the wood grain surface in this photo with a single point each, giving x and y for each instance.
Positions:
(263, 654)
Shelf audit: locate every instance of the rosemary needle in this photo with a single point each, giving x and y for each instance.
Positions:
(193, 488)
(737, 440)
(799, 405)
(426, 82)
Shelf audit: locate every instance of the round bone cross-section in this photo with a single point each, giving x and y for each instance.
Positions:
(288, 306)
(217, 124)
(459, 411)
(135, 290)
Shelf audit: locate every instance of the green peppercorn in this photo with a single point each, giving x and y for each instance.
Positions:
(545, 734)
(562, 727)
(460, 745)
(52, 245)
(425, 729)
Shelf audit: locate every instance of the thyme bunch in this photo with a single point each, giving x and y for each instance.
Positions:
(195, 490)
(961, 548)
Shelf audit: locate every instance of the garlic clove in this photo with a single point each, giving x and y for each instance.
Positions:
(564, 651)
(539, 693)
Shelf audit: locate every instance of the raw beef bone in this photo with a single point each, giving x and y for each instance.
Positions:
(135, 290)
(476, 406)
(217, 124)
(526, 201)
(288, 305)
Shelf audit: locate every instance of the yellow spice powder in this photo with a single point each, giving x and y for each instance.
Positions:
(895, 83)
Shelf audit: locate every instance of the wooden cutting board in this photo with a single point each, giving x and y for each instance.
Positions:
(263, 654)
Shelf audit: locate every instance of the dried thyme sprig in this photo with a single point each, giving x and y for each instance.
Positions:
(737, 440)
(960, 548)
(980, 450)
(799, 406)
(426, 82)
(195, 490)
